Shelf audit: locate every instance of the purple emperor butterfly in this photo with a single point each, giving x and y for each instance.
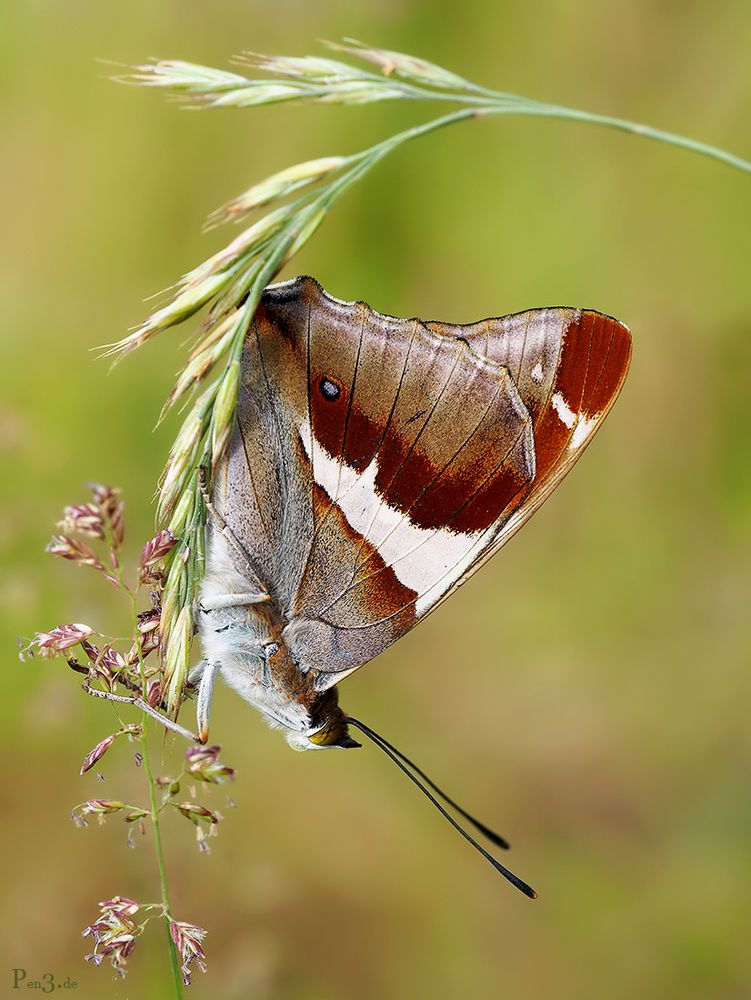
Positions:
(375, 465)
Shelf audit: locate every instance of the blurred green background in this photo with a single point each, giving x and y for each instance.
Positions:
(587, 693)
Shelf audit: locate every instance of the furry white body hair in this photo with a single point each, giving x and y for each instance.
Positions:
(235, 640)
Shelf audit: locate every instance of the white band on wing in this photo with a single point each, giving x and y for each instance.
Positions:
(428, 569)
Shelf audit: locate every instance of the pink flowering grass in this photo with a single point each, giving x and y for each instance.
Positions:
(123, 671)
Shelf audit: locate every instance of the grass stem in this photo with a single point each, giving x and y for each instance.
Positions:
(154, 807)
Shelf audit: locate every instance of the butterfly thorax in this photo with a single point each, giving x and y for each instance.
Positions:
(246, 641)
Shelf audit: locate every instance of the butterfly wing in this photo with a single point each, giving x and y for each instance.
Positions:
(378, 462)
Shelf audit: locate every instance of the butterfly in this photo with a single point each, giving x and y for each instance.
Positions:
(376, 463)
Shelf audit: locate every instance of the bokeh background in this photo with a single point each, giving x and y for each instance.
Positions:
(587, 693)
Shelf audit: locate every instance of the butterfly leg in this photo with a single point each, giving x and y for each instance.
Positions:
(144, 706)
(205, 692)
(220, 601)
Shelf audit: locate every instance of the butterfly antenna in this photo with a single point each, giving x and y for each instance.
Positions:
(492, 836)
(395, 754)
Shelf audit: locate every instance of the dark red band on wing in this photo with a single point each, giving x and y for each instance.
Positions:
(500, 496)
(593, 363)
(614, 367)
(363, 438)
(328, 417)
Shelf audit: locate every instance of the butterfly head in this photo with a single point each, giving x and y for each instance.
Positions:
(327, 729)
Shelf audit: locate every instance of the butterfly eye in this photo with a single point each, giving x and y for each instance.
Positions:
(329, 389)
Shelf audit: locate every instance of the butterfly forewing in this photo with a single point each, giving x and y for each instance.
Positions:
(378, 462)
